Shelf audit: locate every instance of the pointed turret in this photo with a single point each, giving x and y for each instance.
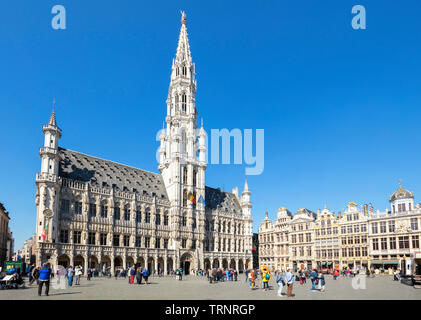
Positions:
(245, 200)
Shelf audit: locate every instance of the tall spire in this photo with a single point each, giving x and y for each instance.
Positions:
(53, 120)
(183, 48)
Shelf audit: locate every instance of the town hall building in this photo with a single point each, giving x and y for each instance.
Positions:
(105, 215)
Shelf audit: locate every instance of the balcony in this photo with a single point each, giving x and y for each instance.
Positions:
(47, 150)
(45, 177)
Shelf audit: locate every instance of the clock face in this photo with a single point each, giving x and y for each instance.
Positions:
(48, 213)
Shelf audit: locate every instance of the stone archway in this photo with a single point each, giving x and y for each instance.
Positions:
(248, 266)
(129, 262)
(151, 265)
(240, 266)
(232, 264)
(93, 262)
(170, 265)
(63, 260)
(118, 263)
(160, 266)
(79, 260)
(225, 263)
(187, 263)
(215, 263)
(140, 262)
(207, 264)
(105, 265)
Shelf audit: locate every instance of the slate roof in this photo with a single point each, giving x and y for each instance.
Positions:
(218, 199)
(107, 174)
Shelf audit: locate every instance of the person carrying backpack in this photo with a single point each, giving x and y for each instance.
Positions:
(313, 278)
(145, 275)
(265, 280)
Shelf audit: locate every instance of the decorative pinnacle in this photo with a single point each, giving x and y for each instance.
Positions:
(183, 17)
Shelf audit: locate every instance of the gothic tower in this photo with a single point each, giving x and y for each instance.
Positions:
(47, 182)
(182, 153)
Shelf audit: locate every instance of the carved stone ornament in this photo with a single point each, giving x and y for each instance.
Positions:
(48, 213)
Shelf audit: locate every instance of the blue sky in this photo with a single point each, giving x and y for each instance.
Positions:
(340, 107)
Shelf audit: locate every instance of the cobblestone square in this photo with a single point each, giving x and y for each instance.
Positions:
(197, 288)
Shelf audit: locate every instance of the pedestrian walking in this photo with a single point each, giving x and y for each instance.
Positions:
(89, 274)
(139, 275)
(265, 280)
(289, 280)
(313, 278)
(132, 275)
(44, 279)
(280, 282)
(322, 282)
(145, 274)
(78, 274)
(70, 275)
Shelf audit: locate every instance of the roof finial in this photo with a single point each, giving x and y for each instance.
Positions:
(183, 17)
(53, 120)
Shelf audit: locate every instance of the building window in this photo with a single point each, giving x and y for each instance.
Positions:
(147, 242)
(185, 176)
(138, 216)
(350, 240)
(383, 243)
(392, 243)
(78, 207)
(166, 220)
(147, 217)
(158, 219)
(415, 242)
(343, 229)
(357, 252)
(64, 236)
(116, 213)
(116, 240)
(77, 237)
(363, 228)
(184, 243)
(344, 252)
(350, 252)
(157, 243)
(165, 243)
(349, 229)
(392, 226)
(126, 214)
(375, 244)
(126, 241)
(356, 228)
(64, 206)
(383, 227)
(138, 241)
(91, 238)
(293, 238)
(414, 223)
(184, 220)
(104, 210)
(92, 210)
(357, 240)
(374, 227)
(364, 251)
(344, 240)
(404, 242)
(103, 239)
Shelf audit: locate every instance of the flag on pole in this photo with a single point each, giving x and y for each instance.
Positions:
(192, 199)
(44, 234)
(202, 201)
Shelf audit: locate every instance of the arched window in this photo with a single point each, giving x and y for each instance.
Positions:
(185, 175)
(147, 216)
(183, 103)
(184, 70)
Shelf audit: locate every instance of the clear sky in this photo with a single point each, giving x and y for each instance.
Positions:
(340, 107)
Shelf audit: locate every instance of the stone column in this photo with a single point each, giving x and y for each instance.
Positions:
(156, 264)
(112, 265)
(86, 264)
(165, 265)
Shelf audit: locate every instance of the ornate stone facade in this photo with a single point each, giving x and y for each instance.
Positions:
(4, 234)
(105, 215)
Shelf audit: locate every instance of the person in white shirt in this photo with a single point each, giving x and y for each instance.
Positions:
(78, 274)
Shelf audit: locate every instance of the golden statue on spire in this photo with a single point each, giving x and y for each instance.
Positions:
(183, 17)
